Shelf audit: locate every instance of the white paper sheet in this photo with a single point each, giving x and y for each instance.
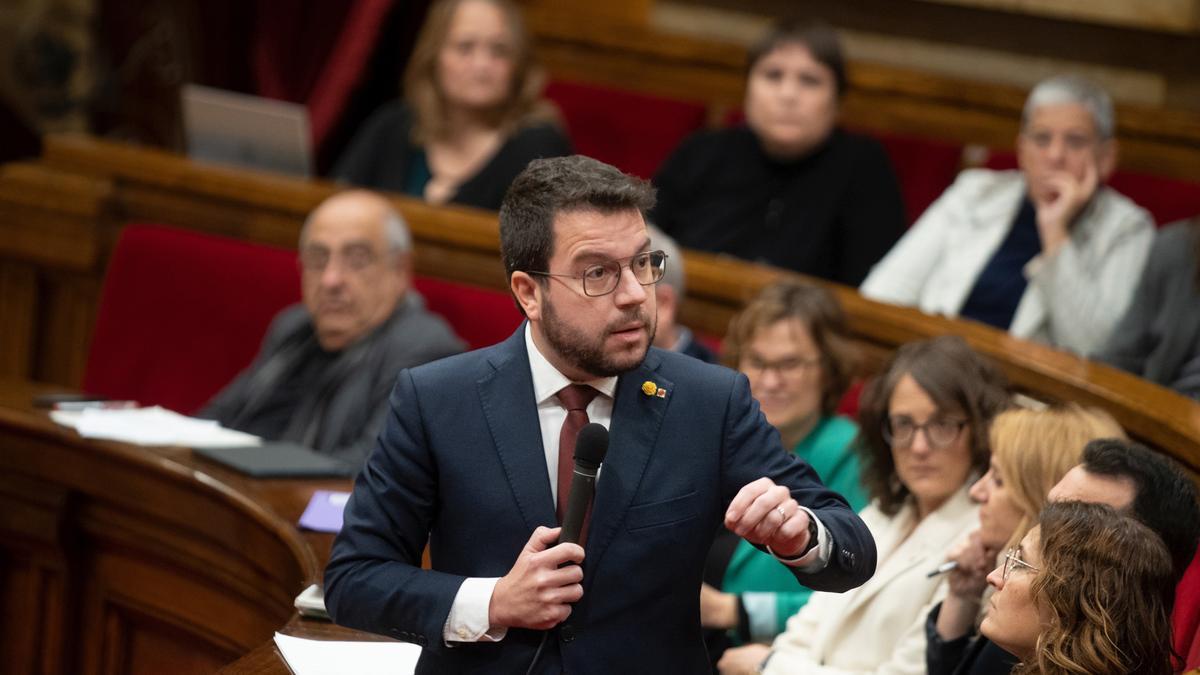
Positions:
(327, 657)
(152, 426)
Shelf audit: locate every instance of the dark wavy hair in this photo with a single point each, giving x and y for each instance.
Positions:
(956, 378)
(1104, 583)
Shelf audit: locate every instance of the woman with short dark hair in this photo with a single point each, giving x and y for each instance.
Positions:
(788, 187)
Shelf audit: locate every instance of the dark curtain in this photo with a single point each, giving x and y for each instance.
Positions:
(341, 59)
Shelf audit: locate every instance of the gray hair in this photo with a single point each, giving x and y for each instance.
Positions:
(674, 276)
(395, 229)
(1062, 89)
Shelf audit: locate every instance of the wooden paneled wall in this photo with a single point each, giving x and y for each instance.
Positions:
(639, 56)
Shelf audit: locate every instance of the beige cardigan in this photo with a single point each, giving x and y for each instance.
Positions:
(1072, 300)
(878, 627)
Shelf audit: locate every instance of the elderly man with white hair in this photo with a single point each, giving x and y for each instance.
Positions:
(327, 365)
(1048, 252)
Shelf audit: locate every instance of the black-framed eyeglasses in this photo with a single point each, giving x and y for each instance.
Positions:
(1011, 560)
(648, 268)
(941, 433)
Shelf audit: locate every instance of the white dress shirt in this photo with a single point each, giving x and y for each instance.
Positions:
(468, 618)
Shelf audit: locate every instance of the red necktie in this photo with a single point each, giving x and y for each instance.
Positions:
(575, 398)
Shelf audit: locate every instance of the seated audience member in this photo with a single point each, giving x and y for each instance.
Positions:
(471, 117)
(1031, 451)
(1154, 489)
(924, 439)
(1086, 592)
(1049, 252)
(791, 342)
(326, 367)
(788, 187)
(1159, 338)
(668, 293)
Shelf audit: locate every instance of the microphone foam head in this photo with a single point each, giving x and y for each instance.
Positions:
(591, 444)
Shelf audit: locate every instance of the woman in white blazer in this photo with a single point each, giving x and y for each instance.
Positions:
(924, 438)
(1048, 252)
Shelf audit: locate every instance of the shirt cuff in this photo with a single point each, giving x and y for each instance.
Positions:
(762, 614)
(468, 618)
(818, 557)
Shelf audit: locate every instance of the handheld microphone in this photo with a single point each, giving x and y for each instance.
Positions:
(590, 447)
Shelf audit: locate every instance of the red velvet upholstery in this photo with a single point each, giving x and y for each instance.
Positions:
(181, 313)
(480, 316)
(633, 132)
(1185, 620)
(1167, 199)
(925, 168)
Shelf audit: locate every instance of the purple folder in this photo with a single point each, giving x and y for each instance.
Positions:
(324, 512)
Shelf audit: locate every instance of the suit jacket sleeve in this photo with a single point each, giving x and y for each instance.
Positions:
(752, 451)
(374, 580)
(942, 656)
(228, 402)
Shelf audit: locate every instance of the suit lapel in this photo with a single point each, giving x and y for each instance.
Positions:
(507, 396)
(633, 433)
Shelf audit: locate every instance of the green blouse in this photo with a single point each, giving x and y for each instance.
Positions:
(769, 592)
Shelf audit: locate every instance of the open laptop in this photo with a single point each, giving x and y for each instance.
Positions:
(249, 131)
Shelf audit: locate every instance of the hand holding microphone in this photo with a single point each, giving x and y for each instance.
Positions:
(591, 445)
(543, 583)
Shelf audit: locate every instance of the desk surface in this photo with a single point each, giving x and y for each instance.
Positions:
(141, 556)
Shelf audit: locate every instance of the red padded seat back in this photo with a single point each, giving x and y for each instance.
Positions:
(634, 132)
(1167, 199)
(181, 313)
(480, 316)
(925, 168)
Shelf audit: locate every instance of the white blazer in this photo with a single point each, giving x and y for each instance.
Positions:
(879, 627)
(1072, 300)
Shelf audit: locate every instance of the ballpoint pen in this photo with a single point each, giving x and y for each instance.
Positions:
(943, 568)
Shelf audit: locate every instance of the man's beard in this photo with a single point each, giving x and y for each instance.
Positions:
(586, 352)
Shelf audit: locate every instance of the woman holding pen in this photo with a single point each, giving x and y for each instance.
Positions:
(1031, 451)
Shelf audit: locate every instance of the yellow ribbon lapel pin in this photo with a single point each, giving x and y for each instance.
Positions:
(651, 389)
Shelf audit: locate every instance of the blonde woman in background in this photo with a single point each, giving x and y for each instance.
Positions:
(1031, 451)
(471, 117)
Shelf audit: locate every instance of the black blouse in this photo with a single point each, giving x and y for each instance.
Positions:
(382, 153)
(832, 214)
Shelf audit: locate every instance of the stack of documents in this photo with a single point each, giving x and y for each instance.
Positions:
(152, 426)
(325, 657)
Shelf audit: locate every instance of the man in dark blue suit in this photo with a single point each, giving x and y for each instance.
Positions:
(476, 453)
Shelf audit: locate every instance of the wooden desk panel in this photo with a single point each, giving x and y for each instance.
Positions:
(123, 559)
